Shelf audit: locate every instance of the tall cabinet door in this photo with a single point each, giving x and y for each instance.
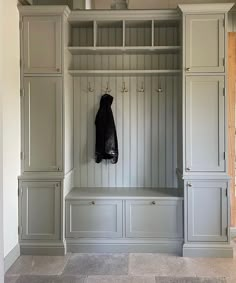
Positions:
(205, 43)
(38, 57)
(42, 130)
(207, 211)
(205, 119)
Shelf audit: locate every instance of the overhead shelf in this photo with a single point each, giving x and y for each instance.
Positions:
(123, 50)
(122, 72)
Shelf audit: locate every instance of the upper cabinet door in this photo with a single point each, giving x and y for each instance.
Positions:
(205, 43)
(205, 119)
(42, 126)
(42, 44)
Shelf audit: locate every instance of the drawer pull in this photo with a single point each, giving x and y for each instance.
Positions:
(153, 203)
(92, 202)
(190, 185)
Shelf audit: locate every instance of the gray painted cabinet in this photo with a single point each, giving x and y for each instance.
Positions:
(38, 57)
(207, 211)
(154, 218)
(94, 219)
(40, 210)
(42, 124)
(205, 118)
(205, 43)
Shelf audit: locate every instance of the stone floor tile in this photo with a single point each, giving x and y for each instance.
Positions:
(11, 279)
(23, 265)
(189, 280)
(97, 264)
(39, 265)
(213, 267)
(50, 279)
(159, 265)
(120, 279)
(49, 265)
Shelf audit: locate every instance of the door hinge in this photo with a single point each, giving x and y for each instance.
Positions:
(223, 61)
(223, 22)
(22, 155)
(20, 25)
(20, 192)
(226, 231)
(19, 230)
(22, 92)
(224, 156)
(20, 63)
(226, 192)
(224, 91)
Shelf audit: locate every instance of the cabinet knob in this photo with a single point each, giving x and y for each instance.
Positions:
(153, 202)
(58, 70)
(58, 168)
(189, 185)
(92, 202)
(187, 69)
(188, 169)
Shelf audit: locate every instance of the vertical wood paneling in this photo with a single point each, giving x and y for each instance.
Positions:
(145, 121)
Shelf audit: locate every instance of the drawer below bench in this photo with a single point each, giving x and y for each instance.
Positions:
(157, 218)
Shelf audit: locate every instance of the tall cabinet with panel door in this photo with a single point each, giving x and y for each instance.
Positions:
(43, 172)
(204, 130)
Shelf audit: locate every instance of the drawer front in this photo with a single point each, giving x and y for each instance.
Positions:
(93, 219)
(154, 218)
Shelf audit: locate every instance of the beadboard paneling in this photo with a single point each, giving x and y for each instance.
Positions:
(146, 122)
(146, 128)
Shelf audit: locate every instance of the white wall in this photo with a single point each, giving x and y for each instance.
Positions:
(11, 121)
(1, 151)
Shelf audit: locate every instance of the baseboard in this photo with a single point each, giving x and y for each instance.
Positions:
(207, 250)
(11, 257)
(233, 232)
(171, 247)
(42, 249)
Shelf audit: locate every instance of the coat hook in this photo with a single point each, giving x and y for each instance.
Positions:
(90, 89)
(159, 90)
(124, 89)
(107, 88)
(142, 88)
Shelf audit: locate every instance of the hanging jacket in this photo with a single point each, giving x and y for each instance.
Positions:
(106, 138)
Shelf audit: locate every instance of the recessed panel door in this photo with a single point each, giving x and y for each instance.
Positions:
(205, 43)
(42, 127)
(42, 44)
(205, 119)
(207, 211)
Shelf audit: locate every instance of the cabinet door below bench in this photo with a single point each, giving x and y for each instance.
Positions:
(154, 218)
(93, 219)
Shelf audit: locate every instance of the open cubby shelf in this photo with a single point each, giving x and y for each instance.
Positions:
(77, 50)
(125, 36)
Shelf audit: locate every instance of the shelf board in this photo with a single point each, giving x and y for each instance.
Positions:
(77, 50)
(122, 72)
(125, 193)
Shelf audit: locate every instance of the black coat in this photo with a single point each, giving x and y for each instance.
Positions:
(106, 138)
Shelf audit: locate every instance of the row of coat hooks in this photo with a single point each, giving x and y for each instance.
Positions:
(123, 89)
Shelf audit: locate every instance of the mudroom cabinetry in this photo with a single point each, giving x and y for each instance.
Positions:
(205, 172)
(167, 73)
(46, 100)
